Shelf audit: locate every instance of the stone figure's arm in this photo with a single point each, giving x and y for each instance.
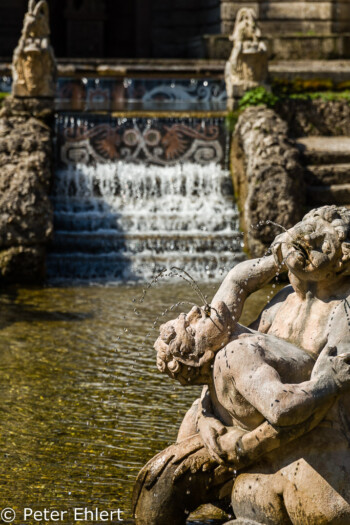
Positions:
(209, 426)
(244, 279)
(290, 410)
(289, 404)
(243, 450)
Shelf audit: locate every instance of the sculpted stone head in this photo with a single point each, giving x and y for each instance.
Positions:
(246, 28)
(187, 345)
(36, 20)
(318, 247)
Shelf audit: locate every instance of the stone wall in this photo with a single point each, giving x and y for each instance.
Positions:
(26, 218)
(297, 29)
(295, 16)
(267, 176)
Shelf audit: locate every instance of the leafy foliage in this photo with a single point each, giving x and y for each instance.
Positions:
(257, 97)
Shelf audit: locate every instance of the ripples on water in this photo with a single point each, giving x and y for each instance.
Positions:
(81, 410)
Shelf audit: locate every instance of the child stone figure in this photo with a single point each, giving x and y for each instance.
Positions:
(275, 407)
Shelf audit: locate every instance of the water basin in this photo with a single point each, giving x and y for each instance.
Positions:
(82, 404)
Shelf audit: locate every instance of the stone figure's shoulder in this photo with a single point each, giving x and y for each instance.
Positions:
(269, 312)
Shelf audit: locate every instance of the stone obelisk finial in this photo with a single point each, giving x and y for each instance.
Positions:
(34, 64)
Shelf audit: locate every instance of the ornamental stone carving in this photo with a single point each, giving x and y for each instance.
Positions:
(247, 65)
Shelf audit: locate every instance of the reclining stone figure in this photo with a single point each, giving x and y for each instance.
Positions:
(271, 430)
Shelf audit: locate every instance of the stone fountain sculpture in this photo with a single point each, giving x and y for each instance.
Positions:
(34, 64)
(271, 431)
(247, 66)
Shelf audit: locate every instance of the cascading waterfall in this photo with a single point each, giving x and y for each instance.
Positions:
(123, 220)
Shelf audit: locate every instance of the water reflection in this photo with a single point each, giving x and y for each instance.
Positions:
(82, 405)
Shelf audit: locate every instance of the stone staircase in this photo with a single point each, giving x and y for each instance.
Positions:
(327, 161)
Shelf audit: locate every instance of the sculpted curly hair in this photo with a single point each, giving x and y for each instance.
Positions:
(338, 217)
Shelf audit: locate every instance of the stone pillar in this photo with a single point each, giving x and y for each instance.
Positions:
(26, 218)
(247, 66)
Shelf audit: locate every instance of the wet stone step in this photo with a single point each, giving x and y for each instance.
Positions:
(328, 174)
(145, 222)
(160, 242)
(172, 203)
(325, 150)
(117, 266)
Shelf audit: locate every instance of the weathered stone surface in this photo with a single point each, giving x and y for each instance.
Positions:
(26, 217)
(267, 175)
(295, 46)
(296, 10)
(325, 150)
(327, 174)
(335, 194)
(229, 10)
(328, 169)
(40, 108)
(316, 117)
(279, 18)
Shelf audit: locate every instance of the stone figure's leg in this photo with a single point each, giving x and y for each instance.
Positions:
(320, 495)
(306, 492)
(259, 497)
(169, 502)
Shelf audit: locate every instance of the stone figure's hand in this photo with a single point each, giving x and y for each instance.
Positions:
(279, 249)
(210, 429)
(333, 366)
(200, 460)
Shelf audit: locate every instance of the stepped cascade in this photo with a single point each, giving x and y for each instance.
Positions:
(122, 220)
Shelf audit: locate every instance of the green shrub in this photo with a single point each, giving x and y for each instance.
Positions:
(258, 97)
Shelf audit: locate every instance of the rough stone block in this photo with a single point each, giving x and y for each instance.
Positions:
(316, 27)
(229, 10)
(296, 10)
(290, 27)
(326, 175)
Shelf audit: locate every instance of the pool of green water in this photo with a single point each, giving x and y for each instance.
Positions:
(82, 405)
